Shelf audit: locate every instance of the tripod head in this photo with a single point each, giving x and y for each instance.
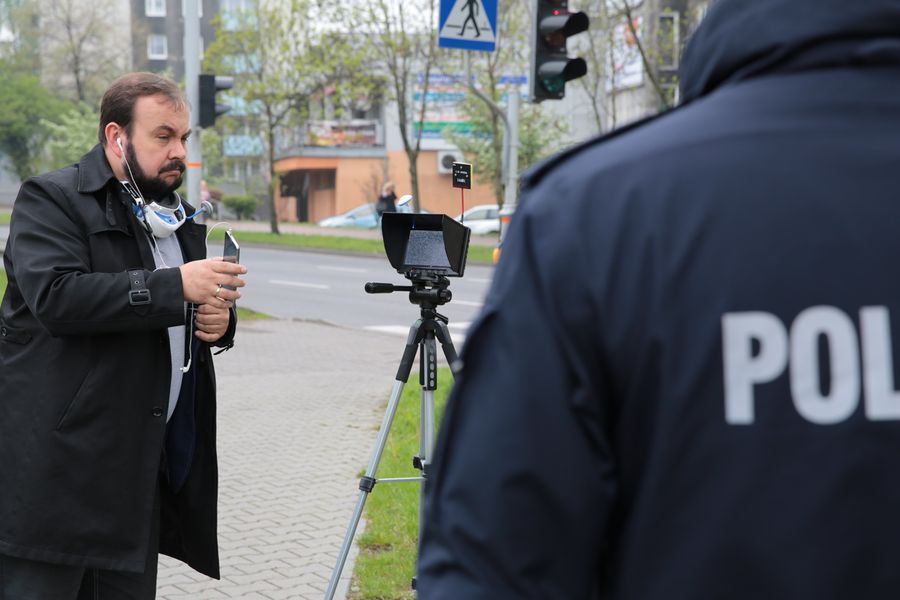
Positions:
(428, 290)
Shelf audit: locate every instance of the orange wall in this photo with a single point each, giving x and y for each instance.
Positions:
(359, 180)
(436, 191)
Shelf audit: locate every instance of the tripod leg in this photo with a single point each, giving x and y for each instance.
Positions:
(367, 482)
(443, 335)
(428, 379)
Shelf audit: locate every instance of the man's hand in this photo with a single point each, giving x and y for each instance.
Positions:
(204, 282)
(211, 322)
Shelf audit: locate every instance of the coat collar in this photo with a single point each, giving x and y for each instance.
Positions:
(94, 171)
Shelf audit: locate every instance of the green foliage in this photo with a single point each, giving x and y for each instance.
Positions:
(20, 17)
(539, 134)
(211, 145)
(71, 137)
(24, 103)
(242, 206)
(275, 54)
(401, 44)
(388, 546)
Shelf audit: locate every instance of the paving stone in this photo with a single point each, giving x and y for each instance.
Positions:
(299, 406)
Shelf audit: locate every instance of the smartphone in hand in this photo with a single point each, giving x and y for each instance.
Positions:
(231, 253)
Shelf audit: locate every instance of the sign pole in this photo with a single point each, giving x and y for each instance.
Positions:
(462, 202)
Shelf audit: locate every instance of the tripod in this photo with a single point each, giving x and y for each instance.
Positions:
(428, 293)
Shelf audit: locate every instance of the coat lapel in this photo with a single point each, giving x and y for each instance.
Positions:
(193, 241)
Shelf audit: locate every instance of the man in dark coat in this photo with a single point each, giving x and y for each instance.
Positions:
(107, 389)
(682, 384)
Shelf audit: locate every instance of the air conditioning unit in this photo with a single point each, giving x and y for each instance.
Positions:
(445, 160)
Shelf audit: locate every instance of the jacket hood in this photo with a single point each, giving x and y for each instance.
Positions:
(739, 39)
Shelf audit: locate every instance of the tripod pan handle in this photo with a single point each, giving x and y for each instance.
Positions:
(379, 288)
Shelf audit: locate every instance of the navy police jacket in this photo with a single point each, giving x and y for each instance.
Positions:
(683, 384)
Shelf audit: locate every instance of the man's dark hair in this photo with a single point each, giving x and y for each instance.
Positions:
(119, 99)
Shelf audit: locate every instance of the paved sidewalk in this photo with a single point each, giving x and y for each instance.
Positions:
(299, 408)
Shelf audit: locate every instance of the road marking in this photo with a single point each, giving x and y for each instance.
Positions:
(392, 329)
(315, 286)
(342, 269)
(467, 303)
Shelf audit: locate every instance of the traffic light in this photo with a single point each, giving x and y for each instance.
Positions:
(551, 66)
(209, 109)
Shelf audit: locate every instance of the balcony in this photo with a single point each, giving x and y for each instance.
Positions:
(357, 137)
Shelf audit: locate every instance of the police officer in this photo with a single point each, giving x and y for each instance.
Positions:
(683, 381)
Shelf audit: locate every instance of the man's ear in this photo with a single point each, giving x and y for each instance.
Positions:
(114, 135)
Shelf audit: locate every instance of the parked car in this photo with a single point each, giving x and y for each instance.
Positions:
(362, 216)
(481, 219)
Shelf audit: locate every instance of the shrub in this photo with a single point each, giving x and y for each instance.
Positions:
(242, 206)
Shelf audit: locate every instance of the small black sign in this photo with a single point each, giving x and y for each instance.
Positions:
(462, 175)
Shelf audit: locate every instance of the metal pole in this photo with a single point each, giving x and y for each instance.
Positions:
(510, 198)
(192, 86)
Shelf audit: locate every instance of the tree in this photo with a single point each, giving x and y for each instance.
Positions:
(81, 51)
(629, 37)
(597, 52)
(539, 135)
(19, 34)
(24, 103)
(71, 137)
(402, 46)
(280, 60)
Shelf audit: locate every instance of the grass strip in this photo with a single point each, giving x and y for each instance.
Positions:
(246, 314)
(386, 562)
(477, 253)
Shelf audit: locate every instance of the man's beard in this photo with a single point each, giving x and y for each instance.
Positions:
(153, 188)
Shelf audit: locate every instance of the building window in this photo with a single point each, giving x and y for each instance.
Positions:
(669, 40)
(236, 5)
(199, 8)
(155, 8)
(157, 47)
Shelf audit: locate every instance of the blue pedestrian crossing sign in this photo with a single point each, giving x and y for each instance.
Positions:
(468, 24)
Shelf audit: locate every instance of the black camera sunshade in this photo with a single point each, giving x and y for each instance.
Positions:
(425, 243)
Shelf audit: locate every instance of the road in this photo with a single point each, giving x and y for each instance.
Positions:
(329, 287)
(316, 286)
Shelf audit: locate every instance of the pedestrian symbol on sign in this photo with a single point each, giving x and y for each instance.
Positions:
(468, 24)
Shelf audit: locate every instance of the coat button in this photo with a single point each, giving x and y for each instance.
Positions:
(157, 411)
(3, 331)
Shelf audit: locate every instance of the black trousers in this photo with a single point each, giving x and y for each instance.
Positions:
(22, 579)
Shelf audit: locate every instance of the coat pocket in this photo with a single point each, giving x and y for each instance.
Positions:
(71, 407)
